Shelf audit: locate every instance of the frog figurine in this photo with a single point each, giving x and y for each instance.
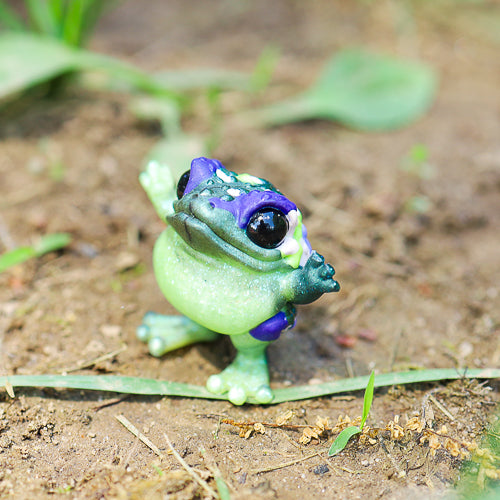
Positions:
(233, 260)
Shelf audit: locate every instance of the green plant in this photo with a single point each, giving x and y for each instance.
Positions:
(345, 435)
(136, 385)
(70, 21)
(361, 90)
(46, 244)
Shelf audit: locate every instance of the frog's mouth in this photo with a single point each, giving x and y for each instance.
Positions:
(213, 231)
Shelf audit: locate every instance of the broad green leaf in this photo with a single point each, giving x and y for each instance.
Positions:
(361, 90)
(342, 439)
(26, 60)
(367, 401)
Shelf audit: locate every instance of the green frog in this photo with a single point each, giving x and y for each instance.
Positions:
(234, 260)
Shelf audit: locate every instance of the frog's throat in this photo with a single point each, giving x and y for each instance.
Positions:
(205, 240)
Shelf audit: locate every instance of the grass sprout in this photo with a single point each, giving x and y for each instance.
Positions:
(46, 244)
(345, 435)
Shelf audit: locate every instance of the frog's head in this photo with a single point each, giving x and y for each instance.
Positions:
(238, 217)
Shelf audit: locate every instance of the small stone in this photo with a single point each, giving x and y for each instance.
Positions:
(347, 341)
(367, 334)
(111, 331)
(321, 469)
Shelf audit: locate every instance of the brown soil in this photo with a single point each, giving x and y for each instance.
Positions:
(423, 288)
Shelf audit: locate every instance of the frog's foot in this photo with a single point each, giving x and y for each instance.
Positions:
(158, 183)
(167, 333)
(246, 378)
(320, 274)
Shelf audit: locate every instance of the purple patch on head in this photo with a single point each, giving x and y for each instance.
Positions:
(201, 170)
(245, 205)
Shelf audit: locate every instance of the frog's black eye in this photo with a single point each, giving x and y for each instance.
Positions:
(267, 227)
(181, 185)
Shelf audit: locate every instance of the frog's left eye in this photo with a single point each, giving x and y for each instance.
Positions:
(267, 227)
(181, 185)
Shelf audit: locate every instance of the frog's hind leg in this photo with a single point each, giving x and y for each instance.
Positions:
(247, 377)
(167, 333)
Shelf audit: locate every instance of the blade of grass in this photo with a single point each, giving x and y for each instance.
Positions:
(42, 17)
(46, 244)
(368, 399)
(52, 242)
(73, 20)
(135, 385)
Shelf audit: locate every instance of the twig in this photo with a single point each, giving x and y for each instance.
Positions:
(86, 364)
(441, 407)
(131, 428)
(286, 464)
(189, 470)
(230, 421)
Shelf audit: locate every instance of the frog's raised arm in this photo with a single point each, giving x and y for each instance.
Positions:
(160, 186)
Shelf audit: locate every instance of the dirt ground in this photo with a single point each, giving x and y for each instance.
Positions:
(418, 290)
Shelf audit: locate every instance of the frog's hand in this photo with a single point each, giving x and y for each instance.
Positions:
(271, 328)
(308, 283)
(160, 187)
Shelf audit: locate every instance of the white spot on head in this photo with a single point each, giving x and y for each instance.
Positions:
(223, 176)
(233, 192)
(289, 246)
(250, 179)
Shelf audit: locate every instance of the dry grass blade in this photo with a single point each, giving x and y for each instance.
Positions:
(131, 428)
(286, 464)
(189, 470)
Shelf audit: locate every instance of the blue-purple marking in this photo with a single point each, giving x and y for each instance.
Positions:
(271, 328)
(245, 205)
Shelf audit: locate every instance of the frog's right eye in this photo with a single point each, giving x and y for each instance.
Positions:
(267, 227)
(181, 185)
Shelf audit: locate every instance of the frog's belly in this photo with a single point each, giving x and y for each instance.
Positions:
(217, 295)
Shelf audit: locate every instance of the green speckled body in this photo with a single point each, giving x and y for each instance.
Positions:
(214, 293)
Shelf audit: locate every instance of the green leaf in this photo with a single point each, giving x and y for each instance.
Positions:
(26, 60)
(46, 244)
(222, 488)
(51, 243)
(367, 401)
(15, 257)
(43, 17)
(194, 79)
(342, 439)
(361, 90)
(136, 385)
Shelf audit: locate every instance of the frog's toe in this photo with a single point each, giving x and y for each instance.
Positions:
(157, 346)
(264, 395)
(215, 384)
(327, 271)
(237, 395)
(143, 332)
